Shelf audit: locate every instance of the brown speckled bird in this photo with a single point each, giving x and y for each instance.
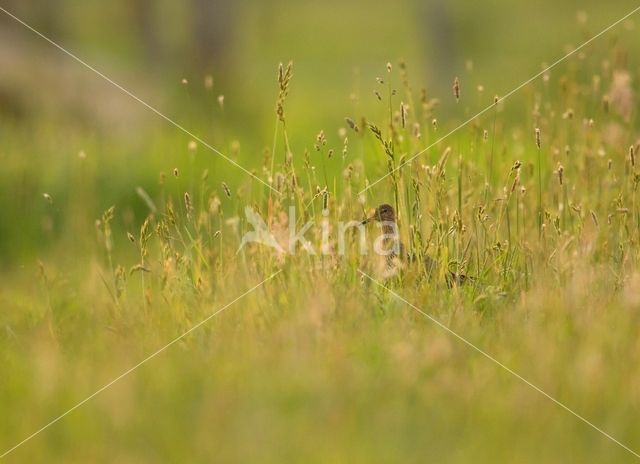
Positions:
(386, 215)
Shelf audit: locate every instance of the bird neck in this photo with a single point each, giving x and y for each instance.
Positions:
(391, 240)
(390, 230)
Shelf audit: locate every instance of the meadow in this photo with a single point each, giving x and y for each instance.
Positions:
(110, 255)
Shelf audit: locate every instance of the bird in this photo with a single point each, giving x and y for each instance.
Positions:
(386, 216)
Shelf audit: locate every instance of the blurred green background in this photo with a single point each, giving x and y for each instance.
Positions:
(52, 108)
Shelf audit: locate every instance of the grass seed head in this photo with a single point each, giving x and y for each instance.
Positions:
(352, 124)
(456, 88)
(188, 204)
(560, 172)
(325, 200)
(226, 189)
(285, 73)
(416, 130)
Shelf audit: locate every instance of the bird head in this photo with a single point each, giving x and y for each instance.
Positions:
(383, 213)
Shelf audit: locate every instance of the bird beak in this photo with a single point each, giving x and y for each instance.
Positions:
(372, 217)
(368, 220)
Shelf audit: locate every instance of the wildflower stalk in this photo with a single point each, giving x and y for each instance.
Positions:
(493, 138)
(538, 145)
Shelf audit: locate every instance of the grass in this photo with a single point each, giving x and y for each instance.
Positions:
(320, 364)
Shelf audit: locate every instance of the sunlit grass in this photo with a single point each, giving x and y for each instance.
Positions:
(319, 363)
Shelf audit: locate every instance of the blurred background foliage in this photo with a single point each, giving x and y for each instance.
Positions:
(317, 364)
(66, 132)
